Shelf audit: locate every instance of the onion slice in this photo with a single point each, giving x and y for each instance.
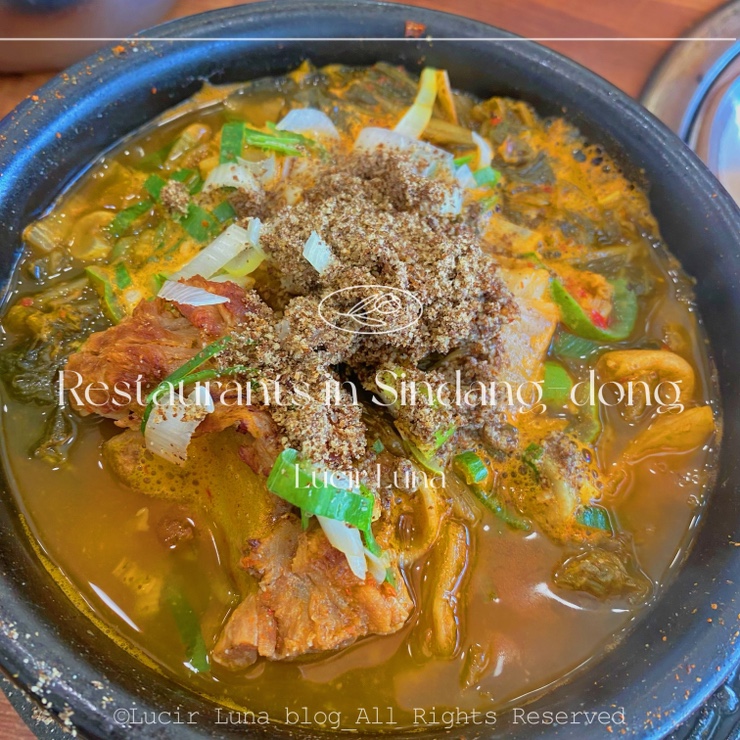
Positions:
(417, 117)
(265, 170)
(189, 295)
(317, 252)
(430, 160)
(217, 254)
(347, 540)
(308, 121)
(378, 566)
(231, 175)
(485, 152)
(171, 425)
(465, 177)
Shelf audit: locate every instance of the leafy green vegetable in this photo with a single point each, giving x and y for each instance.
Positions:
(624, 313)
(295, 482)
(378, 446)
(53, 324)
(470, 467)
(557, 384)
(188, 626)
(60, 432)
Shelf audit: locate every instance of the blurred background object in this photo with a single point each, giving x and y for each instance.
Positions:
(695, 90)
(79, 19)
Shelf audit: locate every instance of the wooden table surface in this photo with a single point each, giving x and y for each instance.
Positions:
(625, 63)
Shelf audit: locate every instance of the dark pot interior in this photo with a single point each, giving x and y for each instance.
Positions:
(654, 673)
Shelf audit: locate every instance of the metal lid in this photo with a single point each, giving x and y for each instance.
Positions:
(696, 91)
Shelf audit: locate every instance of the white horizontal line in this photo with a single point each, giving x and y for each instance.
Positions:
(144, 39)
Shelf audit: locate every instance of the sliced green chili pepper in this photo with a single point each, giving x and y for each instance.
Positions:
(470, 467)
(575, 318)
(102, 284)
(568, 346)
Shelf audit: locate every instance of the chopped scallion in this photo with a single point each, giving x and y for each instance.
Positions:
(297, 484)
(182, 372)
(232, 141)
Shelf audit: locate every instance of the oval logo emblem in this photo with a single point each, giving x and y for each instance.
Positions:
(370, 309)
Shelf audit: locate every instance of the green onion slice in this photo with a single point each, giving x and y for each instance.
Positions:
(465, 159)
(125, 219)
(182, 373)
(232, 141)
(199, 223)
(494, 504)
(123, 277)
(293, 481)
(188, 627)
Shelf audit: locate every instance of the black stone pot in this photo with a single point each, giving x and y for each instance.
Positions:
(674, 658)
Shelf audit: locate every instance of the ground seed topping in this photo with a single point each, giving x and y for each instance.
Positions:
(385, 226)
